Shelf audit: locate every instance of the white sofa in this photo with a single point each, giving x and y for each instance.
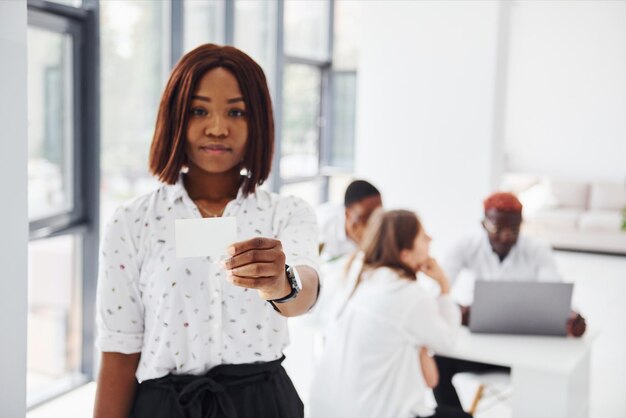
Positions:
(573, 215)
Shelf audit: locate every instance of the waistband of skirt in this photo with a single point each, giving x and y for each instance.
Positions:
(227, 374)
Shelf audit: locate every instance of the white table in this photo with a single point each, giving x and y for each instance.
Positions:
(550, 375)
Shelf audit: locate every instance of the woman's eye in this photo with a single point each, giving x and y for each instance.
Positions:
(236, 113)
(197, 111)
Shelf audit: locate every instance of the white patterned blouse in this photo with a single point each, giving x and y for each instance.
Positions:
(181, 313)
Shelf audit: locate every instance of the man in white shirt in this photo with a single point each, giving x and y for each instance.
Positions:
(499, 253)
(341, 231)
(341, 227)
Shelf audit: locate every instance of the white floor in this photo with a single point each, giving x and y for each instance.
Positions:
(600, 295)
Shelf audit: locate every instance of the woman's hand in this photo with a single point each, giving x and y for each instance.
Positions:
(432, 269)
(258, 263)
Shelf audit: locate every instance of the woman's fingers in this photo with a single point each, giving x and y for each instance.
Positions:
(255, 256)
(258, 263)
(257, 243)
(255, 270)
(270, 287)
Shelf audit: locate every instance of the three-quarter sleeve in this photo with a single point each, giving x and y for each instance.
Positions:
(119, 307)
(299, 233)
(435, 322)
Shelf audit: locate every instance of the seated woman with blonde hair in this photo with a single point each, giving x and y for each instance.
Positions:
(376, 361)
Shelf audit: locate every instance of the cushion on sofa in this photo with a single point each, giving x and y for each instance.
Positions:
(558, 218)
(569, 194)
(536, 198)
(601, 220)
(607, 196)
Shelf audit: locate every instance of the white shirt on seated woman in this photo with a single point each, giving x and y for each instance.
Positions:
(376, 361)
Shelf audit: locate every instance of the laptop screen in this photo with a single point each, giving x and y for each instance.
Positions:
(531, 307)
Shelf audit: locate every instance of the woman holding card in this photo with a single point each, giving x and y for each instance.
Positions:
(200, 337)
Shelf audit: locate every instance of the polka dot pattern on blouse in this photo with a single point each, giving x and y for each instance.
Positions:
(181, 313)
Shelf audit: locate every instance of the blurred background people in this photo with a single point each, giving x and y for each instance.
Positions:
(499, 252)
(341, 227)
(375, 362)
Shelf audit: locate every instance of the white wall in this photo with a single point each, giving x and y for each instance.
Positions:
(13, 212)
(566, 107)
(425, 111)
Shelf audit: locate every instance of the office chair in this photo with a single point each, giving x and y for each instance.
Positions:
(494, 386)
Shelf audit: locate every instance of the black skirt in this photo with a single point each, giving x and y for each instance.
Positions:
(227, 391)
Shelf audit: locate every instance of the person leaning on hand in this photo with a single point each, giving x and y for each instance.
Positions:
(376, 360)
(188, 337)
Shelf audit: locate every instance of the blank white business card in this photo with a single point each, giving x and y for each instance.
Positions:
(204, 237)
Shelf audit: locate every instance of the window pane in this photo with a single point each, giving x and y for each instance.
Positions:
(203, 23)
(345, 35)
(306, 29)
(301, 111)
(310, 191)
(343, 119)
(255, 33)
(132, 80)
(50, 130)
(54, 316)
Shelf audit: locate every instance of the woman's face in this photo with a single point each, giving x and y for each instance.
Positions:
(217, 127)
(419, 254)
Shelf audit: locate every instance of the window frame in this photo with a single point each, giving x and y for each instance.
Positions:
(325, 109)
(82, 23)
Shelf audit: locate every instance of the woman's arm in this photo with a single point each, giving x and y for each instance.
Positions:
(307, 296)
(436, 322)
(429, 368)
(116, 385)
(259, 263)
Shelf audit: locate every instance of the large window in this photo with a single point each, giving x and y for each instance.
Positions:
(256, 34)
(51, 130)
(302, 87)
(62, 204)
(307, 25)
(318, 98)
(132, 80)
(203, 22)
(338, 155)
(54, 316)
(304, 108)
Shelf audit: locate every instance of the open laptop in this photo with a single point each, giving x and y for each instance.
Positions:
(532, 308)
